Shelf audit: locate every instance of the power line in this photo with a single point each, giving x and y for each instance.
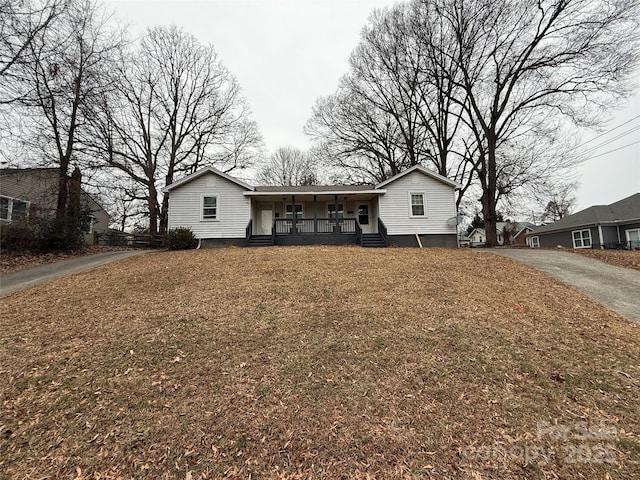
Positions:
(611, 151)
(608, 131)
(613, 139)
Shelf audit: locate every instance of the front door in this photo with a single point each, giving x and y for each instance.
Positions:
(266, 220)
(364, 217)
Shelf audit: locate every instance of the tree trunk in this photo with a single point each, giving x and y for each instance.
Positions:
(152, 202)
(489, 193)
(63, 191)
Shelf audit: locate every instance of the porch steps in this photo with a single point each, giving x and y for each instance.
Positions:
(373, 240)
(260, 241)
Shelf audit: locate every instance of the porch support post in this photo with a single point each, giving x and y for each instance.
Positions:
(294, 224)
(315, 214)
(335, 213)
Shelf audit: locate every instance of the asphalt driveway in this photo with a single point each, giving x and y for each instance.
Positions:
(13, 282)
(616, 288)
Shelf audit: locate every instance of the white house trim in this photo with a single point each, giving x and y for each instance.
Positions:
(424, 204)
(201, 172)
(423, 170)
(209, 219)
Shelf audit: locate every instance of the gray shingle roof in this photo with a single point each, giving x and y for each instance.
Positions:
(315, 188)
(617, 212)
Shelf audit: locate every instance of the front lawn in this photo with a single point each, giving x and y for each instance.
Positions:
(316, 362)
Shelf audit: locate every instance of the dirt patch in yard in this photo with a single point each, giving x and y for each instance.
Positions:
(620, 258)
(316, 362)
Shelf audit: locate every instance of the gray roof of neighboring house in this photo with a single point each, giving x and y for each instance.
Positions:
(627, 209)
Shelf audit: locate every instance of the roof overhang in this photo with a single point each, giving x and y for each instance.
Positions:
(424, 171)
(341, 193)
(203, 171)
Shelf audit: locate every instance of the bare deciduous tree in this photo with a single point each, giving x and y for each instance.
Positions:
(526, 62)
(22, 21)
(289, 166)
(175, 109)
(395, 108)
(64, 71)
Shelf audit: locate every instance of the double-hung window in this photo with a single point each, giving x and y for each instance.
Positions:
(581, 238)
(417, 204)
(289, 212)
(13, 210)
(535, 242)
(336, 210)
(5, 204)
(633, 238)
(210, 207)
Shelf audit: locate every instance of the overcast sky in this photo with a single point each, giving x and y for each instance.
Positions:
(286, 53)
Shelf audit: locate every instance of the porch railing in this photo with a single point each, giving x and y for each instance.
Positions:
(382, 230)
(314, 226)
(249, 230)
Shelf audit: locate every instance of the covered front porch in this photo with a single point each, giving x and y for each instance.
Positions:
(302, 218)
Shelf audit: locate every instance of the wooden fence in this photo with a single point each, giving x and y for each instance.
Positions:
(121, 239)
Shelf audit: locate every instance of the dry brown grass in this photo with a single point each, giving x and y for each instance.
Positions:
(620, 258)
(315, 362)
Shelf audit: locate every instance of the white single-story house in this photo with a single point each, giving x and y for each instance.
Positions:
(223, 210)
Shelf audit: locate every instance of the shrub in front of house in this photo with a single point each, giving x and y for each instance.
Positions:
(180, 239)
(16, 237)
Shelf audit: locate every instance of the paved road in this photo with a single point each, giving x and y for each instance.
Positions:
(616, 288)
(12, 282)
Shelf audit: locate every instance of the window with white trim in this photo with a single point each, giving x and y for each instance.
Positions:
(335, 210)
(13, 210)
(535, 242)
(417, 204)
(210, 207)
(581, 238)
(633, 238)
(5, 204)
(289, 211)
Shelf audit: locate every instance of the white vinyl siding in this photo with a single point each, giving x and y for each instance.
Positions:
(395, 206)
(581, 238)
(233, 209)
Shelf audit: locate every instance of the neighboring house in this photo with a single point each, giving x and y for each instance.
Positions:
(522, 229)
(221, 209)
(478, 236)
(28, 193)
(600, 226)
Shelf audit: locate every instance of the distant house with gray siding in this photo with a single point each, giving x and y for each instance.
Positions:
(601, 226)
(29, 193)
(223, 210)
